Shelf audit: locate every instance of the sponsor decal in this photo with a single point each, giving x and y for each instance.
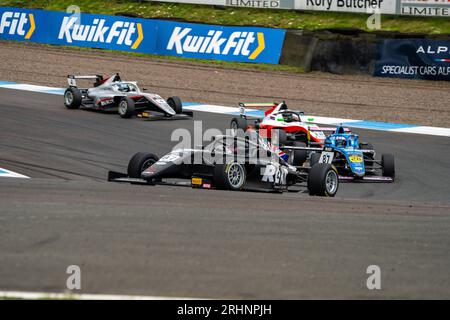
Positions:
(384, 6)
(119, 32)
(17, 23)
(435, 8)
(241, 44)
(197, 181)
(442, 51)
(267, 4)
(238, 43)
(414, 59)
(355, 158)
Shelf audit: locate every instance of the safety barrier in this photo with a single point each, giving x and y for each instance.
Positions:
(336, 51)
(188, 40)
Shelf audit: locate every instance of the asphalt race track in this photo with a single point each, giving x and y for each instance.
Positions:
(180, 242)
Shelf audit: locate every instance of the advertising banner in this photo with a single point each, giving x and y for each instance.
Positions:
(414, 59)
(221, 43)
(431, 8)
(359, 6)
(243, 44)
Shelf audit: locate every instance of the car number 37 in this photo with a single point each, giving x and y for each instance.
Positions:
(326, 157)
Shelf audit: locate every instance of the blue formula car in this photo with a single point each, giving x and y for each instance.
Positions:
(353, 160)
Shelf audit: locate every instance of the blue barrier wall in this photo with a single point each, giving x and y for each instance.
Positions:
(241, 44)
(413, 59)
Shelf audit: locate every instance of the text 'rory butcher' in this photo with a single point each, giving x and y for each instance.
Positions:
(356, 4)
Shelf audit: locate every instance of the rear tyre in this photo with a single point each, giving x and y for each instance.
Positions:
(282, 136)
(388, 164)
(323, 180)
(299, 155)
(126, 108)
(139, 162)
(315, 157)
(72, 98)
(231, 176)
(176, 104)
(238, 123)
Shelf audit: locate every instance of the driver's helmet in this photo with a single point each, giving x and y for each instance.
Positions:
(341, 142)
(123, 87)
(290, 117)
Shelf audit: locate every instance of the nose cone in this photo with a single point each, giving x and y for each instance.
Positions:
(150, 172)
(170, 111)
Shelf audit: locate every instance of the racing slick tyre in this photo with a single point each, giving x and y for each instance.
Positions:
(323, 180)
(315, 157)
(175, 104)
(238, 123)
(72, 98)
(139, 162)
(231, 176)
(126, 108)
(299, 155)
(388, 165)
(282, 136)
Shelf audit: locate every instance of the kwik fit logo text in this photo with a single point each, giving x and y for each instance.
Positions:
(120, 32)
(237, 43)
(17, 23)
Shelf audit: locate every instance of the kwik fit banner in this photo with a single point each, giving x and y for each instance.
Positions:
(414, 59)
(241, 44)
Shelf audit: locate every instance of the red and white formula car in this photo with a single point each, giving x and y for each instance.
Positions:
(288, 124)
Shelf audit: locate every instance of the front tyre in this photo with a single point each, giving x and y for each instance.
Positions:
(231, 176)
(126, 108)
(176, 104)
(72, 98)
(323, 180)
(139, 163)
(388, 164)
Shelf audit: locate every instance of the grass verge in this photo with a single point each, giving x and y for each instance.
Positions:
(242, 16)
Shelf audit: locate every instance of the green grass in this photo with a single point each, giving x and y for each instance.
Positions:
(242, 16)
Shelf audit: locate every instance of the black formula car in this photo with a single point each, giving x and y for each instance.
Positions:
(125, 97)
(230, 163)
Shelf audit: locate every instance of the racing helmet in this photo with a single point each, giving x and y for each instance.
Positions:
(341, 142)
(290, 117)
(123, 87)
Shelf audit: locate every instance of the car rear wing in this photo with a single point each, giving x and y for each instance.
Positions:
(331, 130)
(72, 79)
(245, 105)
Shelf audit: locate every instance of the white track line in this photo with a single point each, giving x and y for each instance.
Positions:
(370, 125)
(4, 173)
(81, 296)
